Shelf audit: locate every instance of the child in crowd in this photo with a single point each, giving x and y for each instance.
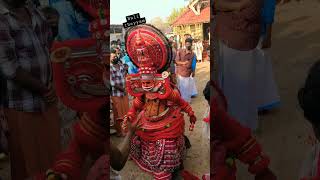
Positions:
(309, 99)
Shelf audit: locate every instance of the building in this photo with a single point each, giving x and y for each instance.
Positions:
(195, 20)
(117, 32)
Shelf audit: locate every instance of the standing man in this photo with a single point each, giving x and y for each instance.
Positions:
(237, 33)
(119, 96)
(172, 68)
(199, 50)
(185, 69)
(30, 101)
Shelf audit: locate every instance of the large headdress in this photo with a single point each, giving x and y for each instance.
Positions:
(76, 69)
(77, 64)
(148, 48)
(150, 51)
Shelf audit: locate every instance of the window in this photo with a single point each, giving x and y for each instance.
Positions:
(192, 28)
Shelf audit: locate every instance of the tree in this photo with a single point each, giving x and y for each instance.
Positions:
(160, 24)
(175, 14)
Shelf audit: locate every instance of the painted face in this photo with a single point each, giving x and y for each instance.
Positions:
(147, 85)
(83, 76)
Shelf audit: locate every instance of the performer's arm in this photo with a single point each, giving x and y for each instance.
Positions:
(185, 107)
(239, 141)
(120, 155)
(137, 105)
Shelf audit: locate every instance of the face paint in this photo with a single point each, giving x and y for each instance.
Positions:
(147, 85)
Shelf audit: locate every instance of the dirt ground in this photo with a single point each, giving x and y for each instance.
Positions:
(296, 44)
(198, 157)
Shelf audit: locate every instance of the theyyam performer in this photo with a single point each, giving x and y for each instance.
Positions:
(78, 76)
(158, 144)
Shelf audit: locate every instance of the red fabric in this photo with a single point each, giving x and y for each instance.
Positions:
(74, 43)
(100, 170)
(224, 173)
(91, 138)
(236, 139)
(148, 47)
(64, 93)
(160, 157)
(260, 166)
(89, 135)
(86, 140)
(175, 130)
(207, 119)
(92, 7)
(70, 162)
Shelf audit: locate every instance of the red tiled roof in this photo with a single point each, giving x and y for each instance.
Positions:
(188, 17)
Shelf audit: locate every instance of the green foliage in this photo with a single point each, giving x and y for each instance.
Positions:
(159, 23)
(175, 14)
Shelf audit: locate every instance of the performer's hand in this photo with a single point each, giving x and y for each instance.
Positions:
(128, 124)
(124, 125)
(193, 120)
(133, 126)
(266, 175)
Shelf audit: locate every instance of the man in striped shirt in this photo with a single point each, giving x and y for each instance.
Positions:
(119, 96)
(29, 97)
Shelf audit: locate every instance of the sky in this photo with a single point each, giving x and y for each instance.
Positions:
(147, 8)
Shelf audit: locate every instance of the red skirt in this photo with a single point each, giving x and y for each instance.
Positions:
(164, 155)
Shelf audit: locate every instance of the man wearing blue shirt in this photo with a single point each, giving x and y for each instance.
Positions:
(73, 23)
(132, 69)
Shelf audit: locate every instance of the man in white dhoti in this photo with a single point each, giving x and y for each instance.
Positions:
(198, 50)
(185, 70)
(237, 34)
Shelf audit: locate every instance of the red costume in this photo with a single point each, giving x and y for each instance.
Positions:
(76, 68)
(232, 141)
(158, 144)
